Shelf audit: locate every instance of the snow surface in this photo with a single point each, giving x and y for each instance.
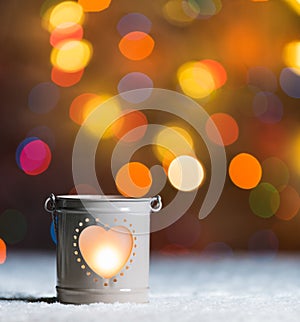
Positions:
(182, 288)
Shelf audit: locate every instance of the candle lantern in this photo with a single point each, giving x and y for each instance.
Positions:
(102, 247)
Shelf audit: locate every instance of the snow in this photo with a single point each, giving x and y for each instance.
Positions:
(182, 288)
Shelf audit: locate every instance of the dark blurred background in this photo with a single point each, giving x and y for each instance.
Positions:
(250, 39)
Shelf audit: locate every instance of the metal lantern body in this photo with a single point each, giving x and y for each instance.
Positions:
(102, 247)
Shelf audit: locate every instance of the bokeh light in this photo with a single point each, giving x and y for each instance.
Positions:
(134, 21)
(135, 80)
(289, 203)
(66, 11)
(217, 71)
(65, 31)
(178, 13)
(186, 173)
(276, 172)
(267, 107)
(130, 120)
(13, 226)
(264, 200)
(136, 45)
(203, 8)
(44, 133)
(262, 78)
(43, 97)
(80, 103)
(291, 54)
(33, 156)
(227, 127)
(2, 251)
(21, 147)
(64, 79)
(245, 171)
(94, 5)
(83, 106)
(71, 55)
(264, 241)
(47, 5)
(170, 142)
(295, 5)
(195, 80)
(52, 233)
(295, 153)
(290, 81)
(133, 180)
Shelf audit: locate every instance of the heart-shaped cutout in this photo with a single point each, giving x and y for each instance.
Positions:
(105, 251)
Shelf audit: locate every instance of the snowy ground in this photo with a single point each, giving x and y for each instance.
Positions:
(182, 289)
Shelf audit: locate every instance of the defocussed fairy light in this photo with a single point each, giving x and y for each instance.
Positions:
(289, 203)
(43, 97)
(65, 11)
(172, 142)
(94, 5)
(2, 251)
(129, 121)
(44, 133)
(290, 81)
(227, 127)
(133, 179)
(79, 104)
(135, 80)
(295, 5)
(291, 54)
(13, 226)
(71, 55)
(276, 172)
(136, 45)
(134, 21)
(64, 79)
(295, 153)
(267, 107)
(264, 200)
(33, 156)
(65, 31)
(202, 8)
(195, 80)
(262, 78)
(53, 233)
(217, 71)
(21, 147)
(186, 173)
(85, 104)
(176, 12)
(245, 171)
(199, 79)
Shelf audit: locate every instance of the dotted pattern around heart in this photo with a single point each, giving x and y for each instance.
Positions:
(79, 259)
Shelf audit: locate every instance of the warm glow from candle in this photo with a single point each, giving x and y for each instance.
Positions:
(107, 258)
(106, 251)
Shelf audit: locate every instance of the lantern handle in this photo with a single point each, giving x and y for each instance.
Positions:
(50, 203)
(156, 203)
(50, 206)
